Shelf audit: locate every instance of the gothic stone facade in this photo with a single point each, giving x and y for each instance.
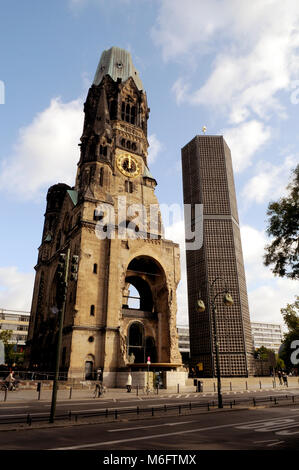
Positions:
(100, 330)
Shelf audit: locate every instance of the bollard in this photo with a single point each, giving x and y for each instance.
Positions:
(214, 387)
(115, 414)
(71, 391)
(39, 388)
(178, 388)
(152, 411)
(254, 402)
(29, 420)
(260, 384)
(190, 406)
(106, 413)
(70, 415)
(180, 409)
(137, 390)
(231, 387)
(137, 409)
(165, 408)
(5, 394)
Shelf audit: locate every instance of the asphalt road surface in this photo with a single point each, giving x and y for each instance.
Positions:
(252, 429)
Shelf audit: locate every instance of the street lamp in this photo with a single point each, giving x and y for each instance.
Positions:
(228, 301)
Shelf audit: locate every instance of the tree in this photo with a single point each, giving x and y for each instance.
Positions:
(5, 336)
(291, 318)
(283, 226)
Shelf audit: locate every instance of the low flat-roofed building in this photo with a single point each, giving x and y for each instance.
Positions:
(268, 335)
(184, 342)
(18, 322)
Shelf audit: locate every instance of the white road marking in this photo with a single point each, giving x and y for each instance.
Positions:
(74, 404)
(275, 443)
(155, 436)
(152, 426)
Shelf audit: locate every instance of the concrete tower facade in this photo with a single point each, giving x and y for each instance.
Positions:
(208, 180)
(100, 220)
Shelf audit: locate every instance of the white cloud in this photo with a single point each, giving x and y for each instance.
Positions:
(155, 147)
(270, 181)
(244, 140)
(255, 45)
(266, 294)
(15, 288)
(46, 152)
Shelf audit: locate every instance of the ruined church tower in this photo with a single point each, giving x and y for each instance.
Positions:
(120, 250)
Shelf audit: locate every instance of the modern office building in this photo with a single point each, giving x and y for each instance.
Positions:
(208, 181)
(268, 335)
(18, 322)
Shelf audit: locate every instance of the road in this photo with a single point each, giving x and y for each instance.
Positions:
(251, 429)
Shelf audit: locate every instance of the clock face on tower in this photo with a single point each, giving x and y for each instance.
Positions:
(128, 165)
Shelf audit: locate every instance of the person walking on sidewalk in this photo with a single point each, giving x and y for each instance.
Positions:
(279, 377)
(129, 383)
(285, 378)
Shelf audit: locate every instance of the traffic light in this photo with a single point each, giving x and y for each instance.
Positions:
(61, 294)
(61, 266)
(74, 267)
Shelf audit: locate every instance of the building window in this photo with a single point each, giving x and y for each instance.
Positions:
(92, 310)
(101, 182)
(95, 268)
(97, 215)
(129, 188)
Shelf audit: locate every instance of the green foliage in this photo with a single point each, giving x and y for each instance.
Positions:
(262, 353)
(283, 252)
(5, 336)
(291, 318)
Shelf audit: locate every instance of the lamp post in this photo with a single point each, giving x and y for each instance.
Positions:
(63, 287)
(228, 301)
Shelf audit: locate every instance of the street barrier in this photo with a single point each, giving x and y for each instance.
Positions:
(152, 410)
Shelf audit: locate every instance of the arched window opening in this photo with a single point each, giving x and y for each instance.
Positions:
(129, 188)
(128, 113)
(139, 292)
(95, 268)
(92, 310)
(136, 342)
(123, 107)
(133, 298)
(133, 115)
(101, 176)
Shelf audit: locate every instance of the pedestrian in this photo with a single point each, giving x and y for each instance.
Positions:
(129, 383)
(285, 378)
(279, 377)
(99, 375)
(10, 380)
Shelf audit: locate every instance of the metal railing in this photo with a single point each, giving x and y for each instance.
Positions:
(115, 413)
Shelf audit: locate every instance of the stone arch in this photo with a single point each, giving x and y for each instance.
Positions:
(136, 342)
(148, 277)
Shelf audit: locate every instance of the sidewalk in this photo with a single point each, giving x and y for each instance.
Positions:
(113, 394)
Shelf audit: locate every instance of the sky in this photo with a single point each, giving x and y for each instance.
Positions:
(231, 65)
